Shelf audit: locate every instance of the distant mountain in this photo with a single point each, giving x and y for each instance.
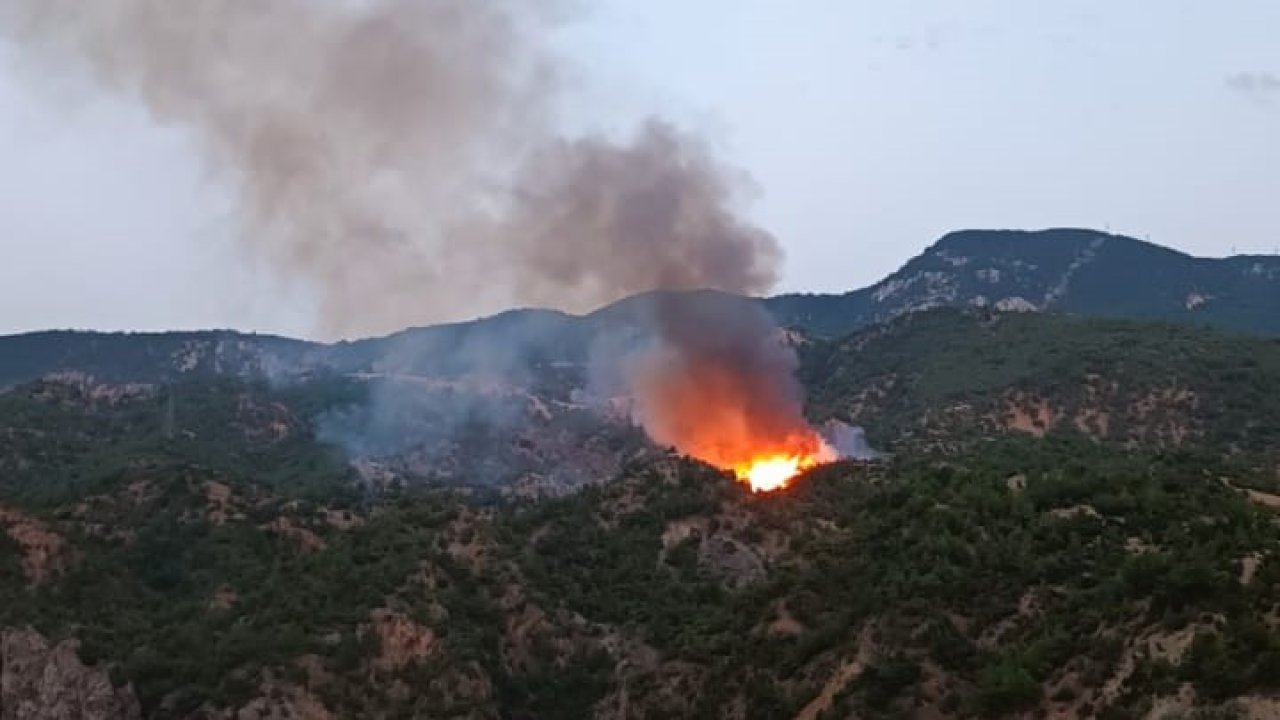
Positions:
(145, 357)
(163, 357)
(1081, 272)
(515, 342)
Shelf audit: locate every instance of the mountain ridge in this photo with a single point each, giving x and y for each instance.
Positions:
(1072, 271)
(1056, 269)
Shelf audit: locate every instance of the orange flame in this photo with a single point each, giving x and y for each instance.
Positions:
(709, 413)
(775, 472)
(721, 387)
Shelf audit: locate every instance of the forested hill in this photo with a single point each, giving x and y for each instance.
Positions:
(1081, 272)
(1078, 272)
(950, 374)
(1054, 577)
(1076, 517)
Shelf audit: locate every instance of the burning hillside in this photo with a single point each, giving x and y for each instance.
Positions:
(360, 140)
(718, 384)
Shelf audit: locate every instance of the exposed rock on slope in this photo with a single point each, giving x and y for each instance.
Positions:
(39, 682)
(1063, 270)
(44, 552)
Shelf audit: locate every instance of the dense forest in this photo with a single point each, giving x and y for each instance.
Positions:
(210, 545)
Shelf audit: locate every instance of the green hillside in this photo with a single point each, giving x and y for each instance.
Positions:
(951, 373)
(1076, 518)
(1038, 573)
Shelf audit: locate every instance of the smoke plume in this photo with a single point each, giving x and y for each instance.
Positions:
(720, 384)
(401, 158)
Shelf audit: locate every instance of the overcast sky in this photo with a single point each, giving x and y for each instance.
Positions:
(870, 128)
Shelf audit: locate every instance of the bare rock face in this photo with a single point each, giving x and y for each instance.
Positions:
(38, 682)
(403, 641)
(283, 702)
(44, 552)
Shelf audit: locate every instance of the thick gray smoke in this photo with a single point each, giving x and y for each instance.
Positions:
(400, 157)
(720, 384)
(849, 441)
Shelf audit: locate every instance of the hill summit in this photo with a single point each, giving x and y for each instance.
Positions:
(1075, 271)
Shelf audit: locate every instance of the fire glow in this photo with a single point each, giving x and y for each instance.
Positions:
(719, 385)
(765, 442)
(724, 419)
(757, 454)
(767, 467)
(772, 473)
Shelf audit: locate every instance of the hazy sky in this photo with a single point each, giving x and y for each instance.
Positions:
(870, 129)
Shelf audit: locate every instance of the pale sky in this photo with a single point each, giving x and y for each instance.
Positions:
(870, 128)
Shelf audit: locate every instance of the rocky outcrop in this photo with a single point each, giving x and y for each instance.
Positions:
(280, 702)
(1082, 272)
(39, 682)
(402, 641)
(44, 552)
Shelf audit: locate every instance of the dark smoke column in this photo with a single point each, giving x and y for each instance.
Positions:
(720, 384)
(397, 157)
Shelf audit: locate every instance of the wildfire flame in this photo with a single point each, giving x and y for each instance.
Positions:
(773, 473)
(763, 445)
(721, 387)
